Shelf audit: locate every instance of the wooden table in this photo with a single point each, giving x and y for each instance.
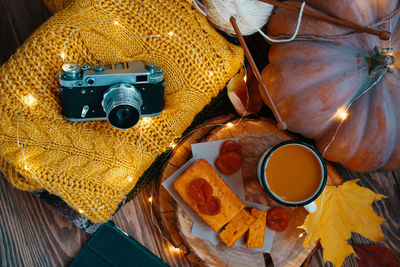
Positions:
(32, 234)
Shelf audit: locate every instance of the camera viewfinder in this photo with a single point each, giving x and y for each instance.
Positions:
(141, 78)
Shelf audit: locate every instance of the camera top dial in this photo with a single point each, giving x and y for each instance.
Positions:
(71, 70)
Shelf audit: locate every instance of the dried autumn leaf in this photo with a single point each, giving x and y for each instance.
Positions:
(347, 208)
(244, 96)
(372, 255)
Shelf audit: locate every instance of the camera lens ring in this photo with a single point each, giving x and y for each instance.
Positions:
(122, 105)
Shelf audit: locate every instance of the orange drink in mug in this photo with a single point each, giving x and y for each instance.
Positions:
(293, 173)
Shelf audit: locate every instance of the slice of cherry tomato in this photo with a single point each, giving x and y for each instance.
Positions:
(229, 162)
(231, 146)
(213, 207)
(201, 191)
(277, 219)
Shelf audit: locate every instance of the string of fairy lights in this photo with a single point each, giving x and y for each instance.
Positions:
(296, 31)
(274, 41)
(341, 114)
(31, 102)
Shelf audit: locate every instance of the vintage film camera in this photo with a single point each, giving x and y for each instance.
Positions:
(120, 93)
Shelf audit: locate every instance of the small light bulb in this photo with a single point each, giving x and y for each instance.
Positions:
(80, 211)
(116, 23)
(173, 144)
(29, 100)
(150, 199)
(342, 113)
(26, 167)
(123, 232)
(171, 33)
(174, 249)
(230, 125)
(211, 73)
(130, 179)
(145, 120)
(300, 235)
(62, 55)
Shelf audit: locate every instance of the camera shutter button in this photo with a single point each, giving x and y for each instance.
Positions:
(71, 70)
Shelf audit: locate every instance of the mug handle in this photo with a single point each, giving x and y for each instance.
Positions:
(311, 207)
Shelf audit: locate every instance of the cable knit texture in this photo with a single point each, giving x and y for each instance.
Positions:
(56, 5)
(92, 165)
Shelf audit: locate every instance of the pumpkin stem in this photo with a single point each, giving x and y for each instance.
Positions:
(380, 60)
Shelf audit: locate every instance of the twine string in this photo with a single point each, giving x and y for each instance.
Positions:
(233, 12)
(347, 109)
(151, 214)
(380, 22)
(365, 91)
(63, 56)
(316, 220)
(190, 133)
(311, 37)
(20, 146)
(169, 34)
(288, 40)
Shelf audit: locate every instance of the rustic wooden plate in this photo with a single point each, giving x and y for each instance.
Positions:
(256, 136)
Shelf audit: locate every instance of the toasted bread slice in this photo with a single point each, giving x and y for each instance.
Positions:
(231, 204)
(236, 228)
(255, 236)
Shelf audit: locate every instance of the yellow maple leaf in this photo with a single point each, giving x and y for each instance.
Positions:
(346, 208)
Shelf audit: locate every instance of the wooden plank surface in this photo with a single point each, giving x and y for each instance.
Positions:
(18, 20)
(32, 234)
(134, 218)
(9, 40)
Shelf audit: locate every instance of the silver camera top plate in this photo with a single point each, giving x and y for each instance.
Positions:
(133, 72)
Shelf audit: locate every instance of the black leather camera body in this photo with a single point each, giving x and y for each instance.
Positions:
(120, 93)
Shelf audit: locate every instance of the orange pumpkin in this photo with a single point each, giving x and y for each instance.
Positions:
(327, 69)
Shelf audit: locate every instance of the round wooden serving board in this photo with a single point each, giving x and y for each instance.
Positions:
(256, 136)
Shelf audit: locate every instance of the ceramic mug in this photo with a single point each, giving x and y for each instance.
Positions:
(293, 173)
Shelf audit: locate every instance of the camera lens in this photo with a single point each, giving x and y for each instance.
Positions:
(123, 116)
(122, 104)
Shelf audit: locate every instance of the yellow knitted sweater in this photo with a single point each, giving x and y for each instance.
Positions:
(92, 165)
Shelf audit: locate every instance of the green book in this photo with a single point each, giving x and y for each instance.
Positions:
(109, 246)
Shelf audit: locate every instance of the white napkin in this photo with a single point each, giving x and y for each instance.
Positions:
(210, 151)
